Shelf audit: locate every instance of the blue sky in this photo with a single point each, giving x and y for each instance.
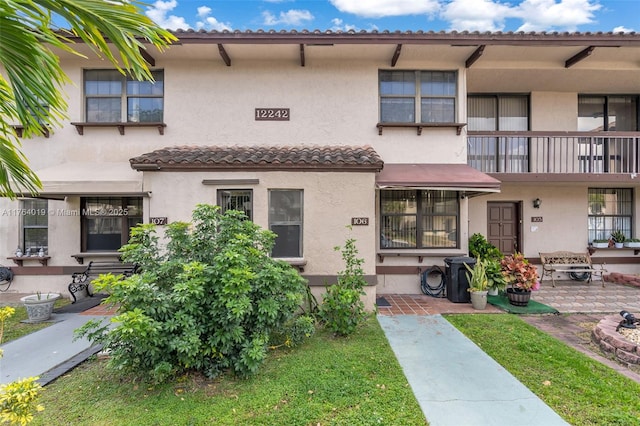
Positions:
(403, 15)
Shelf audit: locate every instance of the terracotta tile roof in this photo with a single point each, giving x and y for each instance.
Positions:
(344, 158)
(413, 37)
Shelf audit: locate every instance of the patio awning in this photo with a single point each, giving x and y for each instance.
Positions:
(450, 177)
(88, 178)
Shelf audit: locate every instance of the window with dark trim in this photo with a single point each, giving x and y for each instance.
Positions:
(236, 199)
(597, 113)
(35, 226)
(107, 221)
(111, 97)
(497, 112)
(419, 219)
(418, 96)
(285, 219)
(610, 209)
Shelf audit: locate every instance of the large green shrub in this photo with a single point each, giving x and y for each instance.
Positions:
(342, 309)
(480, 247)
(207, 300)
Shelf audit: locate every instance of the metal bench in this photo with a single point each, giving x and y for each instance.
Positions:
(570, 263)
(81, 280)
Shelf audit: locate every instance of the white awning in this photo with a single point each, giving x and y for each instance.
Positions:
(80, 178)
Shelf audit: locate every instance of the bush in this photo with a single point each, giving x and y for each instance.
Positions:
(480, 247)
(208, 301)
(342, 309)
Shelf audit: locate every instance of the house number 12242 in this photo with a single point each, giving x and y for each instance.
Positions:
(272, 114)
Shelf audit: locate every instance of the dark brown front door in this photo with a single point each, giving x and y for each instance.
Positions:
(503, 227)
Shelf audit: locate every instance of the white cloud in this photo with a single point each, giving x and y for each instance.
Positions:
(339, 25)
(541, 15)
(209, 22)
(204, 11)
(383, 8)
(291, 17)
(536, 15)
(476, 15)
(623, 30)
(158, 14)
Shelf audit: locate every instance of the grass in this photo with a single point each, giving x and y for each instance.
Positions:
(14, 328)
(580, 389)
(327, 381)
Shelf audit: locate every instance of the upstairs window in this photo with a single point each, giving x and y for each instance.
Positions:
(490, 113)
(111, 97)
(607, 113)
(418, 96)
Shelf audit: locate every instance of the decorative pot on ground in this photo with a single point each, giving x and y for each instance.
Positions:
(479, 299)
(493, 291)
(40, 306)
(518, 297)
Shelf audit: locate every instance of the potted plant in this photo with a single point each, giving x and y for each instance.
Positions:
(632, 243)
(479, 247)
(521, 276)
(478, 284)
(618, 238)
(39, 306)
(601, 243)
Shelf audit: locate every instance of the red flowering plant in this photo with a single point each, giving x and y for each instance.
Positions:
(519, 273)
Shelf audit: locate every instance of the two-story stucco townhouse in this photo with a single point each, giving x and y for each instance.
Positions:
(418, 139)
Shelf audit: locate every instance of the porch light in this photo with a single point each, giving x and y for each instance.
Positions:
(536, 203)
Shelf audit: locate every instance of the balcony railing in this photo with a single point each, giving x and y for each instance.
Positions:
(554, 152)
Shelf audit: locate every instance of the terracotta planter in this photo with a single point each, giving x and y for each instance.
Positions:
(518, 298)
(39, 306)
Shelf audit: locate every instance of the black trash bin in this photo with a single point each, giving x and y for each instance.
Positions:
(457, 282)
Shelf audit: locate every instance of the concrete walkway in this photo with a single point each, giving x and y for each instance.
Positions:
(47, 353)
(455, 382)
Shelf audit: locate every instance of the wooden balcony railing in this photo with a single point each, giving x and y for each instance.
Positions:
(554, 152)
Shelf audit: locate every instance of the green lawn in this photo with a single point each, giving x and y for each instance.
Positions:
(328, 381)
(344, 381)
(14, 328)
(583, 391)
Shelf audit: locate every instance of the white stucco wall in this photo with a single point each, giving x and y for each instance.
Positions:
(328, 208)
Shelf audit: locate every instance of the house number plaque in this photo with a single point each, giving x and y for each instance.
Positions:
(158, 220)
(360, 221)
(536, 218)
(272, 114)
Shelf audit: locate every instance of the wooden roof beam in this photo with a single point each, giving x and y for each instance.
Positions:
(147, 57)
(302, 55)
(396, 55)
(474, 56)
(579, 56)
(223, 54)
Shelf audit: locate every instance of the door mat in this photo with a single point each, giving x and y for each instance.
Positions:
(381, 302)
(81, 305)
(501, 301)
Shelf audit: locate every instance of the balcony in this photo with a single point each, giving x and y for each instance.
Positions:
(601, 153)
